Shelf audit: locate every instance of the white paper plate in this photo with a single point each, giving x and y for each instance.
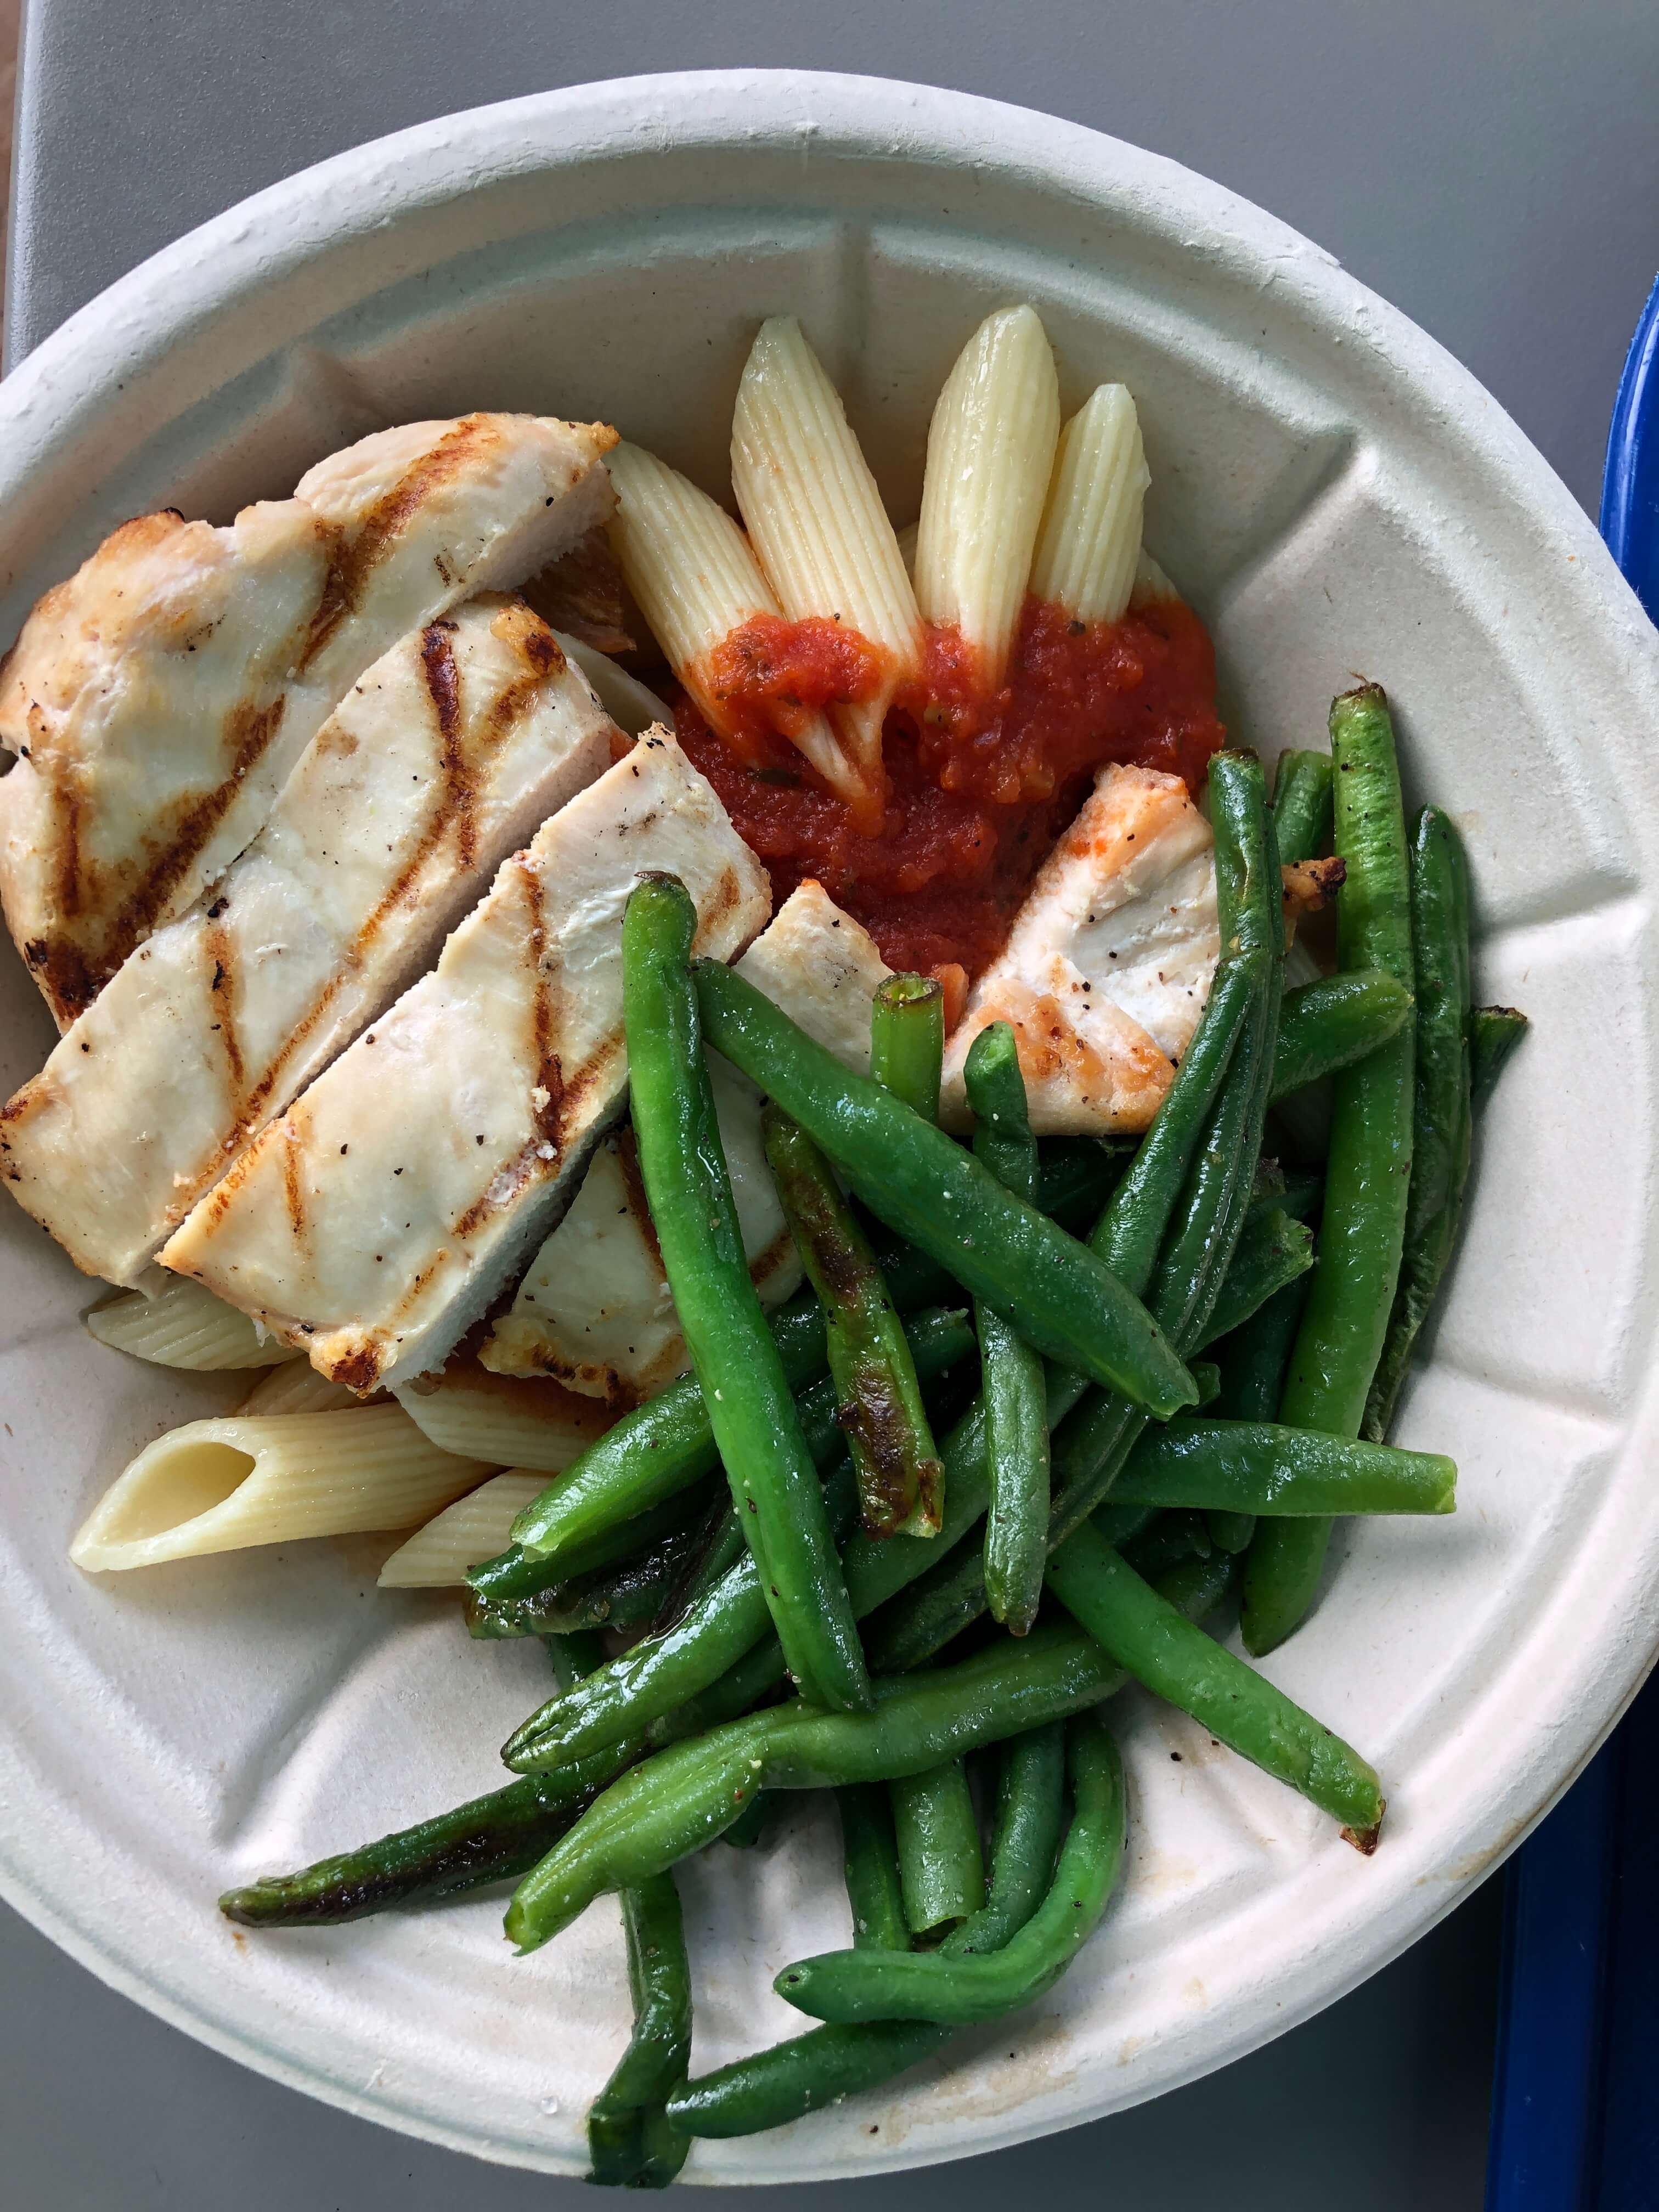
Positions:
(1337, 495)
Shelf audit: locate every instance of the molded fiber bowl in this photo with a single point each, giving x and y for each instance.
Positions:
(1336, 495)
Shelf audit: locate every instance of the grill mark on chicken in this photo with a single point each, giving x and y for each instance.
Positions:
(77, 971)
(352, 561)
(554, 1099)
(458, 801)
(218, 957)
(66, 806)
(290, 1145)
(519, 628)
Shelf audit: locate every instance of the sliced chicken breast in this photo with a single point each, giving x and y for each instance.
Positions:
(594, 1308)
(383, 1214)
(157, 701)
(1109, 963)
(449, 753)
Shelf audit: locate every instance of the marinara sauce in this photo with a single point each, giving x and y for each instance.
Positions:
(980, 782)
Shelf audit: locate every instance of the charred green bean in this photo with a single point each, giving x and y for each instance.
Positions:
(878, 1398)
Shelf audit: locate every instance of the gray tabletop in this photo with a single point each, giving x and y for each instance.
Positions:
(1490, 167)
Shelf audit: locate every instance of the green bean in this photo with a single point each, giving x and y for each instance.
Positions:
(1368, 1173)
(682, 1797)
(496, 1837)
(1147, 1635)
(769, 2088)
(612, 1597)
(1301, 805)
(1257, 1467)
(655, 1452)
(1442, 1114)
(1088, 1450)
(660, 1674)
(870, 1864)
(1253, 1363)
(1016, 1400)
(683, 1166)
(1029, 1815)
(1214, 1110)
(574, 1655)
(629, 2142)
(931, 1192)
(1166, 1540)
(941, 1870)
(513, 1574)
(1333, 1023)
(1274, 1250)
(879, 1399)
(753, 1824)
(1132, 1227)
(1076, 1175)
(907, 1040)
(1494, 1032)
(859, 1985)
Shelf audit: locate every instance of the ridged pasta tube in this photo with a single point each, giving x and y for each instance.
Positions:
(182, 1324)
(815, 519)
(221, 1485)
(510, 1420)
(689, 567)
(297, 1387)
(990, 455)
(474, 1528)
(1089, 545)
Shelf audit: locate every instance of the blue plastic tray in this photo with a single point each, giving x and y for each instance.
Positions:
(1575, 2116)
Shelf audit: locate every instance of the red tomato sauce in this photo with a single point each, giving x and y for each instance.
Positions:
(774, 674)
(980, 784)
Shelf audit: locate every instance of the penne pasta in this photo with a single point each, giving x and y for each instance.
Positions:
(816, 520)
(474, 1528)
(1089, 545)
(175, 1323)
(297, 1387)
(689, 567)
(223, 1485)
(990, 455)
(516, 1420)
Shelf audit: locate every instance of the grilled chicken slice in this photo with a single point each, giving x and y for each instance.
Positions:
(158, 700)
(449, 753)
(382, 1215)
(594, 1308)
(1109, 963)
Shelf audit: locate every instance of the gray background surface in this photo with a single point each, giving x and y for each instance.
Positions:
(1491, 167)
